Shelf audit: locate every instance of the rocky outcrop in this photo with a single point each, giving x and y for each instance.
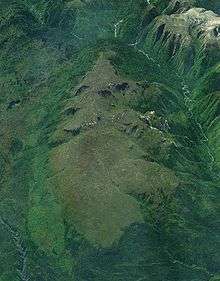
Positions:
(187, 39)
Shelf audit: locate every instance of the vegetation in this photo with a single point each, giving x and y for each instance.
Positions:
(109, 157)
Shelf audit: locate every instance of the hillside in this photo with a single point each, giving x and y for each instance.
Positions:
(110, 140)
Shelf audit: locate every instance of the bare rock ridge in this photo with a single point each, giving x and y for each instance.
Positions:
(187, 37)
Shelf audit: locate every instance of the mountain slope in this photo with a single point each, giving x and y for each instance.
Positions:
(109, 140)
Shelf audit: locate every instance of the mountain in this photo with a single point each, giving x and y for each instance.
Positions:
(110, 140)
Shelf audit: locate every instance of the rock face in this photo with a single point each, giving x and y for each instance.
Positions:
(109, 148)
(187, 37)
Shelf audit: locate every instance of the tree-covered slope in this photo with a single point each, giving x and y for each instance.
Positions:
(110, 140)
